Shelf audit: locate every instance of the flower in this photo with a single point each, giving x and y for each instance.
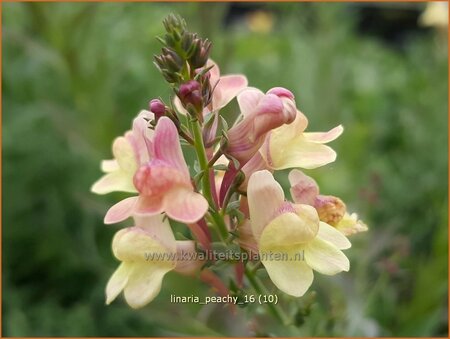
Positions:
(295, 233)
(130, 151)
(163, 183)
(331, 210)
(289, 146)
(261, 113)
(147, 252)
(435, 15)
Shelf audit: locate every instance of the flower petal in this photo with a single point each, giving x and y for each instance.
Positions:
(142, 135)
(167, 145)
(117, 282)
(137, 245)
(325, 258)
(179, 106)
(187, 260)
(298, 152)
(350, 224)
(214, 72)
(149, 205)
(120, 211)
(304, 189)
(228, 87)
(158, 227)
(248, 99)
(292, 277)
(145, 282)
(333, 236)
(185, 205)
(265, 196)
(124, 153)
(113, 182)
(291, 228)
(324, 137)
(108, 166)
(256, 163)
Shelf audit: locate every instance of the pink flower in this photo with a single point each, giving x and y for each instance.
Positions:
(163, 183)
(262, 113)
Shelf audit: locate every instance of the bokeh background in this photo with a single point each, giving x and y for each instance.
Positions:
(74, 75)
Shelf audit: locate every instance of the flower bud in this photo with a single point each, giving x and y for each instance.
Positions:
(157, 107)
(201, 53)
(281, 92)
(245, 138)
(288, 100)
(190, 93)
(172, 60)
(330, 209)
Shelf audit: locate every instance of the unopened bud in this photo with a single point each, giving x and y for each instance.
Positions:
(200, 54)
(281, 92)
(157, 107)
(330, 209)
(191, 93)
(169, 76)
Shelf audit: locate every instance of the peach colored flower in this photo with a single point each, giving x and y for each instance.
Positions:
(163, 183)
(294, 233)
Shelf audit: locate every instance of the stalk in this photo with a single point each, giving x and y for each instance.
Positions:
(206, 185)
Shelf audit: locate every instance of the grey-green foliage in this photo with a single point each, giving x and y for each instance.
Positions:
(74, 75)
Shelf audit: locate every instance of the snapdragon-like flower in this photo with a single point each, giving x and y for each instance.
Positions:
(261, 114)
(163, 183)
(147, 252)
(289, 146)
(130, 151)
(294, 233)
(330, 209)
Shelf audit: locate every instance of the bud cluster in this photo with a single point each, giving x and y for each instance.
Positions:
(180, 61)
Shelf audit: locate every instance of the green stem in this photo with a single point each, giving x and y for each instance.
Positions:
(260, 289)
(206, 185)
(203, 161)
(223, 231)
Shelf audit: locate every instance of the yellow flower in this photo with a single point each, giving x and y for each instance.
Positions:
(292, 241)
(147, 252)
(289, 146)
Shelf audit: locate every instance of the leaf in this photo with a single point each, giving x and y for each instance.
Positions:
(224, 124)
(220, 167)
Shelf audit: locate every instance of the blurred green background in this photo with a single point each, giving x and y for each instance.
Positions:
(74, 75)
